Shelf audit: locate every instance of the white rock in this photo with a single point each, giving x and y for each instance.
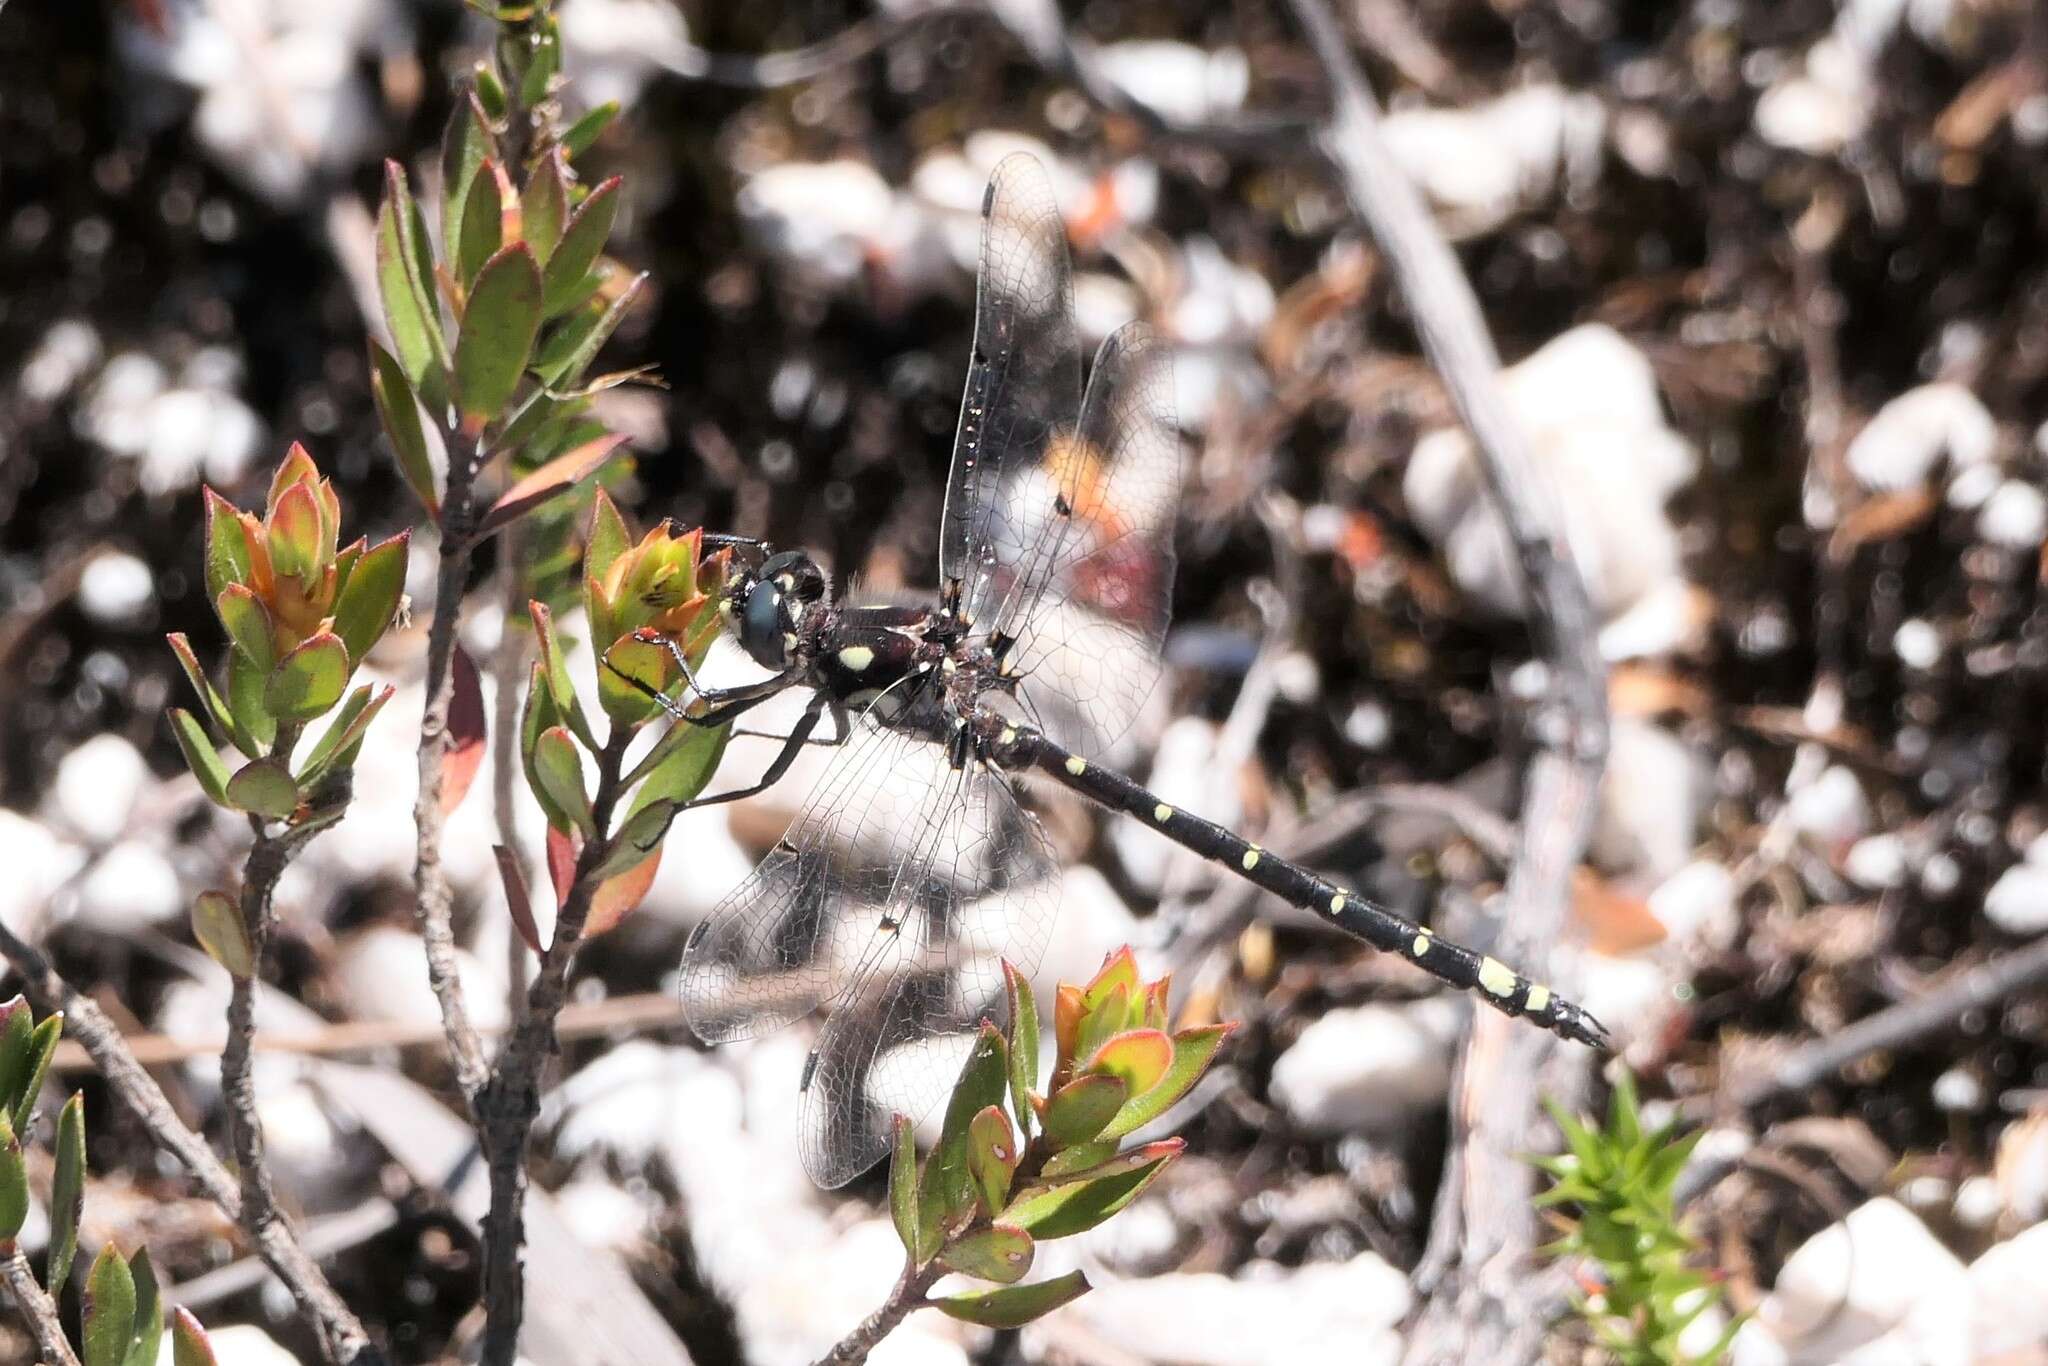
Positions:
(1322, 1314)
(1184, 776)
(1628, 995)
(1650, 800)
(381, 974)
(1917, 643)
(1696, 904)
(1877, 862)
(2015, 516)
(113, 411)
(1372, 1067)
(38, 862)
(321, 1162)
(1220, 300)
(1959, 1089)
(116, 588)
(2018, 902)
(2037, 849)
(1819, 110)
(97, 786)
(240, 1344)
(1899, 447)
(1480, 165)
(1831, 810)
(2009, 1295)
(1184, 83)
(611, 48)
(828, 217)
(131, 887)
(600, 1214)
(1093, 923)
(1978, 1203)
(805, 1301)
(67, 352)
(1876, 1288)
(2022, 1168)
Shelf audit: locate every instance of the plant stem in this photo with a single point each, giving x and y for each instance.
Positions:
(343, 1333)
(37, 1307)
(908, 1295)
(510, 1101)
(434, 899)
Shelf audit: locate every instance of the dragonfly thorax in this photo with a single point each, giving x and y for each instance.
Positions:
(765, 607)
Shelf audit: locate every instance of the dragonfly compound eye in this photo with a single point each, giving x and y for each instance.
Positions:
(764, 626)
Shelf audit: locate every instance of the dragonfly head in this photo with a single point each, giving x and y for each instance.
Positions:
(764, 607)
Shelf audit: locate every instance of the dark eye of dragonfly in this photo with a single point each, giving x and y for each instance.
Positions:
(763, 627)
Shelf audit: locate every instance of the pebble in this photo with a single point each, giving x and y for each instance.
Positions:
(601, 1215)
(1182, 82)
(1877, 862)
(131, 887)
(1650, 800)
(38, 862)
(1821, 109)
(116, 589)
(2015, 516)
(1372, 1067)
(1978, 1203)
(1628, 995)
(1184, 776)
(65, 355)
(1481, 164)
(1876, 1288)
(240, 1344)
(381, 974)
(1917, 643)
(1899, 447)
(2009, 1297)
(1831, 810)
(97, 786)
(830, 218)
(1696, 904)
(1322, 1314)
(2018, 902)
(612, 48)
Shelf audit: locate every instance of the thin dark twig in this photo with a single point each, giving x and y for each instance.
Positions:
(1492, 1318)
(435, 899)
(36, 1305)
(509, 1102)
(87, 1023)
(907, 1296)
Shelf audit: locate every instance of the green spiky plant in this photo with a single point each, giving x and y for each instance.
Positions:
(1621, 1179)
(122, 1314)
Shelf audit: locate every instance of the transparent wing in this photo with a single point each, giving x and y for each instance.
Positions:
(1023, 380)
(764, 955)
(1089, 597)
(979, 885)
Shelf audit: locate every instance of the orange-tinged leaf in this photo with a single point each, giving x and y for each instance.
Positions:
(516, 899)
(1118, 969)
(218, 926)
(227, 545)
(293, 532)
(582, 242)
(248, 625)
(619, 896)
(297, 467)
(991, 1155)
(1193, 1051)
(1066, 1026)
(1078, 1205)
(1139, 1057)
(465, 742)
(264, 787)
(550, 481)
(190, 1345)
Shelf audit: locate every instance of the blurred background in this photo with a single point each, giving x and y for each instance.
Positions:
(1771, 284)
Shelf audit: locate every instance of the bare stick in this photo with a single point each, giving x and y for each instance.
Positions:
(1498, 1077)
(348, 1344)
(510, 1101)
(435, 899)
(907, 1296)
(36, 1307)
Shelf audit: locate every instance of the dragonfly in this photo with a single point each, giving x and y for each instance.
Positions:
(913, 871)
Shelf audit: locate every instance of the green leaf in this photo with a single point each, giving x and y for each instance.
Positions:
(227, 545)
(399, 410)
(338, 743)
(109, 1313)
(67, 1193)
(17, 1031)
(682, 762)
(638, 837)
(200, 755)
(586, 130)
(991, 1156)
(248, 623)
(538, 716)
(1078, 1160)
(558, 765)
(997, 1253)
(147, 1336)
(544, 208)
(482, 219)
(903, 1188)
(630, 658)
(1193, 1051)
(42, 1046)
(1140, 1057)
(1023, 1045)
(264, 787)
(218, 926)
(370, 600)
(308, 680)
(544, 59)
(245, 700)
(582, 243)
(410, 305)
(1077, 1112)
(466, 144)
(1101, 1019)
(189, 1344)
(554, 662)
(13, 1184)
(608, 538)
(573, 345)
(1060, 1211)
(1014, 1306)
(497, 334)
(948, 1187)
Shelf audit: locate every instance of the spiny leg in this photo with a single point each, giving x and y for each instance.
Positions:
(799, 736)
(722, 704)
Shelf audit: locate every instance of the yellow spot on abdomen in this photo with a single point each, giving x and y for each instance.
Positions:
(1251, 858)
(1421, 945)
(1337, 904)
(1496, 977)
(1076, 765)
(1539, 999)
(857, 657)
(1162, 813)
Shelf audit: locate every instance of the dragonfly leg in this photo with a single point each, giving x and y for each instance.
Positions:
(840, 724)
(798, 737)
(722, 703)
